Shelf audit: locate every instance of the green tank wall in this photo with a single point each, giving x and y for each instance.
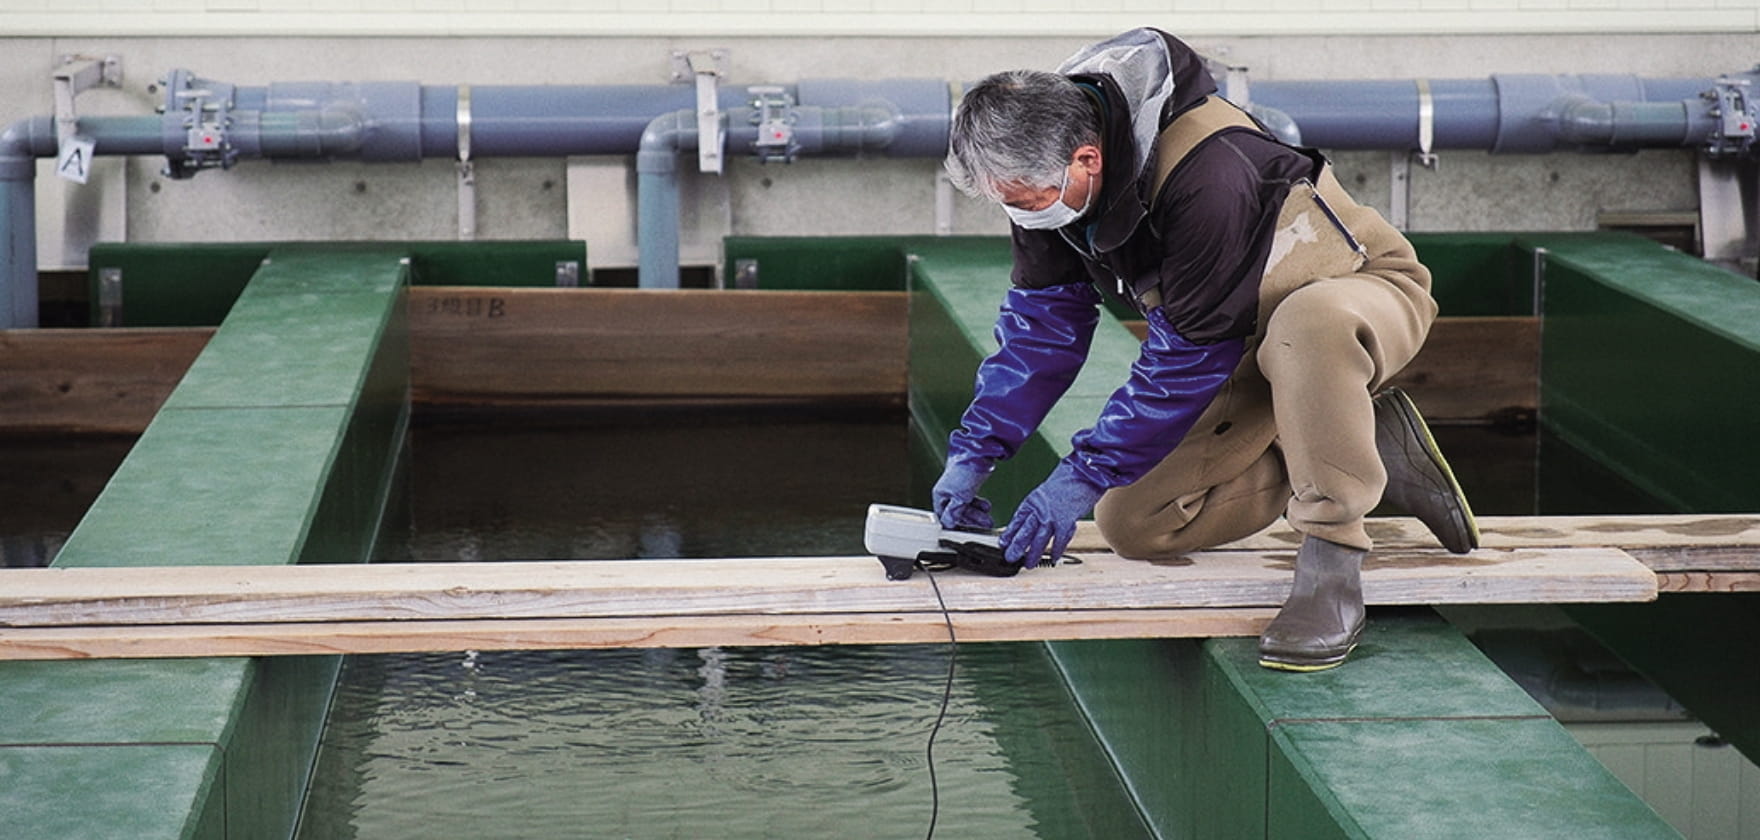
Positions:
(1649, 363)
(1475, 273)
(195, 285)
(278, 446)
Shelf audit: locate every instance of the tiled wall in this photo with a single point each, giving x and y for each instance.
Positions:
(869, 17)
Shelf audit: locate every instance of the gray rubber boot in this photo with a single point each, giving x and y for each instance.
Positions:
(1319, 624)
(1419, 481)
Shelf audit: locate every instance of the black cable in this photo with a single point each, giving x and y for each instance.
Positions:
(946, 696)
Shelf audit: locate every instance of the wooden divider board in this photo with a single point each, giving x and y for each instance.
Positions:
(96, 381)
(537, 347)
(1470, 368)
(550, 346)
(522, 347)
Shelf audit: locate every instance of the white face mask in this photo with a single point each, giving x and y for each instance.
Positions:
(1053, 216)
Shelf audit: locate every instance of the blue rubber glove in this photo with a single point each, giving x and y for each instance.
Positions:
(1047, 518)
(955, 497)
(1042, 338)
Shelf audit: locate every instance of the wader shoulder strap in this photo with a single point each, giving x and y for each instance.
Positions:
(1191, 128)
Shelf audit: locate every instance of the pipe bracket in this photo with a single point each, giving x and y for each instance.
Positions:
(1426, 125)
(75, 74)
(706, 68)
(464, 122)
(467, 169)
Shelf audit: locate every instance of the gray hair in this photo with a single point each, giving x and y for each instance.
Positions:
(1018, 127)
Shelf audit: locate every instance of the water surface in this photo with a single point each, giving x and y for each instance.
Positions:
(762, 742)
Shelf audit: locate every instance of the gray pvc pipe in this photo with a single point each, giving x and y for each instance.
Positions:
(1384, 114)
(901, 117)
(874, 126)
(18, 227)
(384, 121)
(657, 197)
(18, 250)
(1506, 113)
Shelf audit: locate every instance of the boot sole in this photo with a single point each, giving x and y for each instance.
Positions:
(1408, 415)
(1305, 666)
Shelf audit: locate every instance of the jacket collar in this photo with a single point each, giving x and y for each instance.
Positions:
(1123, 200)
(1126, 191)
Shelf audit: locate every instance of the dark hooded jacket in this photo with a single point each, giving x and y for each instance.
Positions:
(1202, 242)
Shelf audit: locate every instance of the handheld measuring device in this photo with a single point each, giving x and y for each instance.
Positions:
(906, 539)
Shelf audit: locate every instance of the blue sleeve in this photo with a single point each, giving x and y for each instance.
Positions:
(1044, 335)
(1170, 385)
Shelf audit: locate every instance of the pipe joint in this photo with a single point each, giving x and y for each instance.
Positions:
(18, 149)
(853, 129)
(920, 111)
(375, 121)
(1280, 124)
(663, 138)
(1622, 125)
(329, 133)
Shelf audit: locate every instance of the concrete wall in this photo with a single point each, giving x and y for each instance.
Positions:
(888, 17)
(529, 198)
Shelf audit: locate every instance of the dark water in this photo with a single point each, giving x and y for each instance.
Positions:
(698, 743)
(1521, 472)
(46, 486)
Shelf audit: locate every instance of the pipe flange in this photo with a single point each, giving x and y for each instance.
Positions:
(203, 111)
(1736, 114)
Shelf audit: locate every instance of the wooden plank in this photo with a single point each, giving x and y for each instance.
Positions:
(96, 381)
(157, 641)
(472, 346)
(1717, 542)
(774, 586)
(1470, 369)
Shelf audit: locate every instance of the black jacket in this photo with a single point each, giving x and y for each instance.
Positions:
(1201, 242)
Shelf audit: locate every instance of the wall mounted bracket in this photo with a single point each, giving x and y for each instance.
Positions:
(705, 68)
(73, 75)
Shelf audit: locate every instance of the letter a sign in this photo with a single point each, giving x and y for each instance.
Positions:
(75, 160)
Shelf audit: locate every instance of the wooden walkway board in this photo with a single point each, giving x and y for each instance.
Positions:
(1664, 543)
(773, 586)
(161, 641)
(1231, 591)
